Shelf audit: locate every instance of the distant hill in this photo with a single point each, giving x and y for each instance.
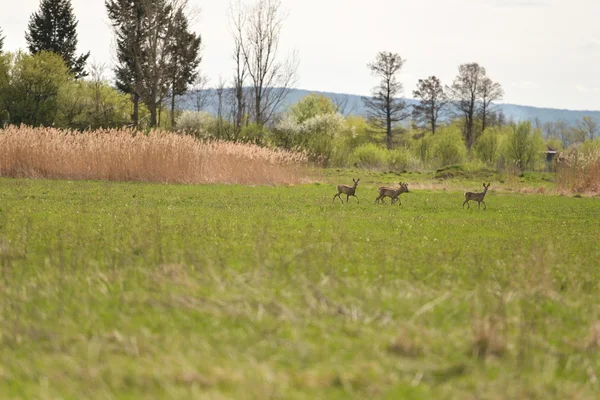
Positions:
(354, 105)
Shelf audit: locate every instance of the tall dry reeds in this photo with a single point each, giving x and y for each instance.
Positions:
(124, 155)
(579, 171)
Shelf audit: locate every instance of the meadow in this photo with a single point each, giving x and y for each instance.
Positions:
(148, 290)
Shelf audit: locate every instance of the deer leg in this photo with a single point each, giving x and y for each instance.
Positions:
(484, 205)
(339, 197)
(347, 197)
(356, 198)
(467, 203)
(479, 205)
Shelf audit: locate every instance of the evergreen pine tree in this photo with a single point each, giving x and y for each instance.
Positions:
(126, 17)
(185, 58)
(54, 28)
(1, 41)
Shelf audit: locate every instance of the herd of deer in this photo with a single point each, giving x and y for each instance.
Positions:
(394, 194)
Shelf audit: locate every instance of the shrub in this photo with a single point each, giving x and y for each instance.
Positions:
(197, 123)
(315, 135)
(487, 147)
(369, 156)
(524, 148)
(399, 159)
(448, 147)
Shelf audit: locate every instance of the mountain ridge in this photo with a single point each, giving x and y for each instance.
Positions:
(354, 105)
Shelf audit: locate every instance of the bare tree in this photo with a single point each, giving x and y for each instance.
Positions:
(258, 38)
(432, 102)
(490, 91)
(200, 93)
(342, 104)
(383, 107)
(237, 18)
(465, 94)
(587, 128)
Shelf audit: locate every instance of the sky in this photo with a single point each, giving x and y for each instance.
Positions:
(545, 53)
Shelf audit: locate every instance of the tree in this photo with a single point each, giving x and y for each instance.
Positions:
(472, 94)
(310, 106)
(143, 30)
(383, 107)
(587, 128)
(184, 58)
(54, 28)
(524, 147)
(432, 102)
(1, 41)
(258, 37)
(34, 83)
(200, 93)
(489, 92)
(237, 20)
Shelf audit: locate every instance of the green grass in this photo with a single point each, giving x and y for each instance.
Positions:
(125, 290)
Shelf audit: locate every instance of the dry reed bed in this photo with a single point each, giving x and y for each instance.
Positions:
(124, 155)
(579, 172)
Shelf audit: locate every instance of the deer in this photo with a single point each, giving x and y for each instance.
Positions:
(478, 197)
(347, 190)
(392, 193)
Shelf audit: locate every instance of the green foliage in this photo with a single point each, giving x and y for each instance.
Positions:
(487, 146)
(399, 159)
(92, 105)
(311, 106)
(317, 135)
(31, 96)
(1, 42)
(448, 147)
(54, 29)
(369, 156)
(423, 148)
(555, 143)
(524, 148)
(372, 156)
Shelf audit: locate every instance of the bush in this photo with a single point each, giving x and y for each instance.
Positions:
(369, 156)
(316, 135)
(487, 147)
(197, 123)
(399, 159)
(524, 148)
(423, 148)
(448, 147)
(93, 105)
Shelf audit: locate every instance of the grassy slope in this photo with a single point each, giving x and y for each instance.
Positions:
(154, 291)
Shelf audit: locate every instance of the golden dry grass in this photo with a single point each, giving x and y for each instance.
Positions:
(124, 155)
(579, 172)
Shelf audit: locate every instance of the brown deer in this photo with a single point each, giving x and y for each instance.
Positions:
(392, 193)
(478, 197)
(347, 190)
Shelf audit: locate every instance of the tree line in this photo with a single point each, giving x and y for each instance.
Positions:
(470, 97)
(158, 58)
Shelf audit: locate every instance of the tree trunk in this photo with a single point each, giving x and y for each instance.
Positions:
(153, 119)
(136, 110)
(173, 110)
(389, 131)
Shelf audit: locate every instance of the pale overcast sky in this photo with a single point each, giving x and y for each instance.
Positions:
(545, 53)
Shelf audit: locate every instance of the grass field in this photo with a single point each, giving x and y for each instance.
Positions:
(131, 290)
